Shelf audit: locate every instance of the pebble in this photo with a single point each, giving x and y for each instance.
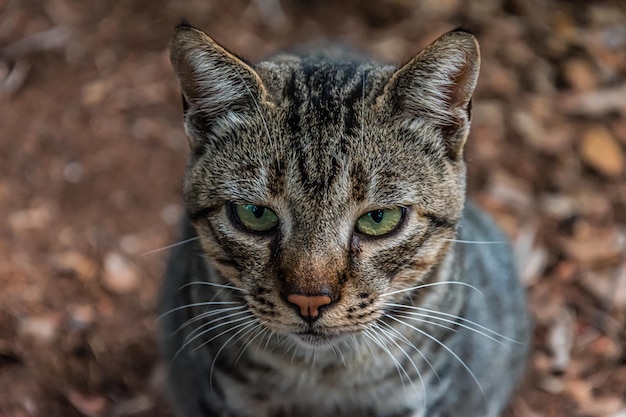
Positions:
(509, 191)
(609, 286)
(77, 263)
(96, 92)
(561, 339)
(595, 103)
(73, 172)
(595, 247)
(532, 258)
(586, 201)
(580, 74)
(131, 244)
(37, 217)
(87, 405)
(600, 151)
(81, 316)
(43, 328)
(171, 214)
(120, 275)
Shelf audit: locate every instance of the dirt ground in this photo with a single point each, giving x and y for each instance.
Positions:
(92, 151)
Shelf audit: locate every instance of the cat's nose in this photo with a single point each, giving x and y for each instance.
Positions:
(309, 304)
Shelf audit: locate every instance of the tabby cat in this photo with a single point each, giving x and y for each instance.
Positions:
(330, 265)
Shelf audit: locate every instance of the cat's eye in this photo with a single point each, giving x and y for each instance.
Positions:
(255, 218)
(380, 222)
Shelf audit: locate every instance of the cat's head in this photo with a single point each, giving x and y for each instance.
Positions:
(324, 188)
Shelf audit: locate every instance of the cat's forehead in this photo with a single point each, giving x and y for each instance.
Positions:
(317, 82)
(321, 140)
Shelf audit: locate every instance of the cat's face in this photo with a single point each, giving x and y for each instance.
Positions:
(323, 190)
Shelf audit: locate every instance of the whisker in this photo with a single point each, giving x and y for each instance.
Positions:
(408, 342)
(390, 337)
(412, 317)
(173, 245)
(455, 318)
(376, 339)
(367, 343)
(208, 314)
(213, 284)
(263, 331)
(443, 326)
(432, 284)
(203, 326)
(191, 340)
(415, 316)
(477, 242)
(443, 345)
(246, 329)
(293, 355)
(267, 342)
(204, 303)
(338, 353)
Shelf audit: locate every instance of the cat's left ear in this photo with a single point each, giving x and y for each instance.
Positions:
(216, 84)
(438, 84)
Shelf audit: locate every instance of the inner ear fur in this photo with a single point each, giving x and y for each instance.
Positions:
(215, 83)
(437, 84)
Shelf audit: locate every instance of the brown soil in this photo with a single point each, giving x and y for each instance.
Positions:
(92, 152)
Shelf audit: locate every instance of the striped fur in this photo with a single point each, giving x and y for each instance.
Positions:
(418, 325)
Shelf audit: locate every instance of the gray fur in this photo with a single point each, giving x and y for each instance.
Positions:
(321, 142)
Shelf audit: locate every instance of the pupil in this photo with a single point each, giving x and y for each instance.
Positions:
(258, 211)
(377, 215)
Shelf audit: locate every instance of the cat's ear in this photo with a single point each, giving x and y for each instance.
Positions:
(215, 83)
(438, 84)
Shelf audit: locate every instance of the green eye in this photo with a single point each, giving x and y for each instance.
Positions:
(255, 218)
(380, 222)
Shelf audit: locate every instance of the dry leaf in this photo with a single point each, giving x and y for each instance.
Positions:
(600, 150)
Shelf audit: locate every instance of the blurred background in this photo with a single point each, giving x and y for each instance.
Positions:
(92, 152)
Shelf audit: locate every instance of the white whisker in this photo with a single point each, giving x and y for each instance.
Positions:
(247, 327)
(408, 342)
(263, 331)
(433, 284)
(192, 339)
(413, 317)
(251, 326)
(390, 337)
(213, 284)
(202, 328)
(477, 242)
(443, 345)
(443, 326)
(339, 354)
(208, 314)
(376, 339)
(458, 320)
(173, 245)
(204, 303)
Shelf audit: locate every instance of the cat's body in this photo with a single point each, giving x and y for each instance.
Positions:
(322, 277)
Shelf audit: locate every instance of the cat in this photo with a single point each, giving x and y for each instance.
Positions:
(330, 265)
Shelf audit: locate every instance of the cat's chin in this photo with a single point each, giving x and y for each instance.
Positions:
(315, 339)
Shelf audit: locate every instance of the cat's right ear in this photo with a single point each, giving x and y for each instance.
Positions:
(215, 83)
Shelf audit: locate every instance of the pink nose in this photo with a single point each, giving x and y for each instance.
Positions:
(309, 304)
